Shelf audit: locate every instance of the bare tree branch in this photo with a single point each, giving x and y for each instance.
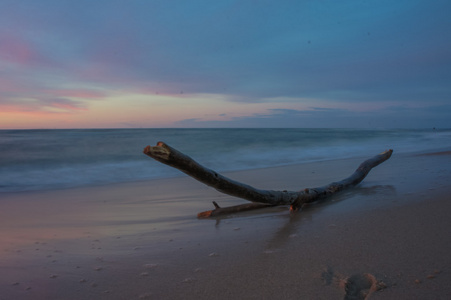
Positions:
(172, 157)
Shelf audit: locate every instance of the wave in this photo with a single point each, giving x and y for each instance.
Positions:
(52, 159)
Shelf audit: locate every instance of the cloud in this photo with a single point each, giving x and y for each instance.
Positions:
(271, 118)
(44, 106)
(16, 50)
(77, 93)
(28, 98)
(62, 105)
(388, 117)
(270, 52)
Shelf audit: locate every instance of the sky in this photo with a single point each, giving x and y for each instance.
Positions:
(169, 63)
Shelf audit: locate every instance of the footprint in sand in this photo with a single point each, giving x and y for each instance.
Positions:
(355, 287)
(361, 286)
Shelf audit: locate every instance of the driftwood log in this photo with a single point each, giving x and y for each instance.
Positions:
(259, 198)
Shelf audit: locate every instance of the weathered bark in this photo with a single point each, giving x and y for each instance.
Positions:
(170, 156)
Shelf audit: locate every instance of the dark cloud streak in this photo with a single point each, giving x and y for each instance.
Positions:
(390, 117)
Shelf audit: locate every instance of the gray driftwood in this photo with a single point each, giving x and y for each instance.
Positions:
(259, 198)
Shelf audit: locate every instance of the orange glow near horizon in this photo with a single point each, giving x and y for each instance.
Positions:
(129, 110)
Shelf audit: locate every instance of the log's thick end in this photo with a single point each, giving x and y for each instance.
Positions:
(158, 152)
(146, 150)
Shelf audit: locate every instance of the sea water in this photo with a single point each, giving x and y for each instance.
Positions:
(54, 159)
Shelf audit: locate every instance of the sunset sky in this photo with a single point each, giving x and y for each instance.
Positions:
(149, 63)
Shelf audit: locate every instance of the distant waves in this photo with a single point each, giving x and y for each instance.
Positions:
(53, 159)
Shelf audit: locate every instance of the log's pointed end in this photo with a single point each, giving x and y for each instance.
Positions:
(387, 153)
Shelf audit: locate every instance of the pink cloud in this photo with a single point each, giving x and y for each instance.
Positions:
(16, 50)
(43, 107)
(7, 85)
(67, 105)
(76, 93)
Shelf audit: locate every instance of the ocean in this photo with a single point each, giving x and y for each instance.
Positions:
(55, 159)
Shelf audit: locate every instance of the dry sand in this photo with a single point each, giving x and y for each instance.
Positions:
(388, 238)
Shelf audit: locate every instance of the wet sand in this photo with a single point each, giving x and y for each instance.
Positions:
(388, 238)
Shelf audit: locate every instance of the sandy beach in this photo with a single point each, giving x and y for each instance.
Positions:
(388, 238)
